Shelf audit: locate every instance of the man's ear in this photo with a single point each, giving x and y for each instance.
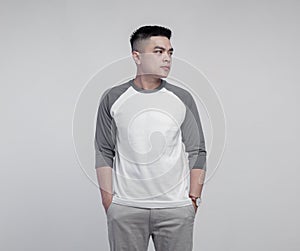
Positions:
(136, 57)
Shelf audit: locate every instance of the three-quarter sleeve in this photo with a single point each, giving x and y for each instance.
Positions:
(104, 135)
(192, 136)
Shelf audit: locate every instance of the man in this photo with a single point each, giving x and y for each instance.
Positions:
(150, 152)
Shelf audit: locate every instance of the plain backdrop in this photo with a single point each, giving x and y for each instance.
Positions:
(249, 50)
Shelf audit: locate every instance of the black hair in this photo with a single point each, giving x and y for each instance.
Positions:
(146, 32)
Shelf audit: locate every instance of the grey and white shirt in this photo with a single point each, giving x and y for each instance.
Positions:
(151, 139)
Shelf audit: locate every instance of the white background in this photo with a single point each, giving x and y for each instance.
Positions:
(249, 50)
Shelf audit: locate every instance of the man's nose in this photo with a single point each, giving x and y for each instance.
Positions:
(167, 57)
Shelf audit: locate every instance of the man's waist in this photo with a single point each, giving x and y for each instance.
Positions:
(152, 203)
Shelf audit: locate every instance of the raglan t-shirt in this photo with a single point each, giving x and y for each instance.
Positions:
(152, 139)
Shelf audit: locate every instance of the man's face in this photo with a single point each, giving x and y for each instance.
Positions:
(156, 57)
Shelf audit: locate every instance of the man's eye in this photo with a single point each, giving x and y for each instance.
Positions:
(159, 51)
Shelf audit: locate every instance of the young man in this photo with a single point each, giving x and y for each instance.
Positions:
(150, 152)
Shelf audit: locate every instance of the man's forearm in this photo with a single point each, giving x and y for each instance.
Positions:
(197, 177)
(104, 176)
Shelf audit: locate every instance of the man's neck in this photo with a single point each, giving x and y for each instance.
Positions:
(147, 82)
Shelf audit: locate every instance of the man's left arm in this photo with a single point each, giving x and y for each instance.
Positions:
(194, 141)
(197, 177)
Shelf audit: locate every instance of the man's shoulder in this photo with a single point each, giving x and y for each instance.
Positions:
(115, 91)
(118, 89)
(179, 91)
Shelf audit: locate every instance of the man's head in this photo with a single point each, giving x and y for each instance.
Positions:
(152, 50)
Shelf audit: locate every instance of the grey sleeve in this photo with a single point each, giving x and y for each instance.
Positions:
(192, 136)
(105, 135)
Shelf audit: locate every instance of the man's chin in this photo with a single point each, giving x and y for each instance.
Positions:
(161, 75)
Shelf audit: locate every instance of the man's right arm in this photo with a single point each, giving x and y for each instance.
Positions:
(105, 150)
(104, 176)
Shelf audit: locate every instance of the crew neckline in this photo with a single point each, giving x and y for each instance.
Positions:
(162, 84)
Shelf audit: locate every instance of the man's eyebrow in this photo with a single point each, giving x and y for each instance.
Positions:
(162, 48)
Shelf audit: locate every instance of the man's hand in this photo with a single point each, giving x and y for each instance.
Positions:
(106, 200)
(195, 206)
(104, 176)
(106, 203)
(197, 177)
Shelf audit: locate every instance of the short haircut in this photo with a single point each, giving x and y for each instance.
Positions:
(145, 32)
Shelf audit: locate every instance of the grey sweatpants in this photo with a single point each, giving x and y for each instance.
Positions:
(130, 228)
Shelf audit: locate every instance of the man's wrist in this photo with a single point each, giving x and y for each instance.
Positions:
(196, 200)
(193, 196)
